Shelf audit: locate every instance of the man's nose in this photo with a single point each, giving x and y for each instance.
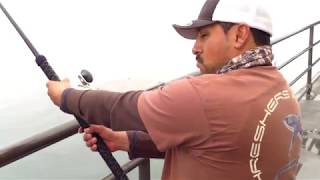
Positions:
(196, 50)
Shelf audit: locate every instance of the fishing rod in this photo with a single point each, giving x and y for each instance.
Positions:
(42, 62)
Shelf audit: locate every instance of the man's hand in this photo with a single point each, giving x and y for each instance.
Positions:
(55, 90)
(115, 140)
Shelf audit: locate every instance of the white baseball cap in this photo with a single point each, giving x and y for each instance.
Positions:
(250, 12)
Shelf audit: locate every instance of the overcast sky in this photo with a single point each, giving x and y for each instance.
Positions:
(115, 40)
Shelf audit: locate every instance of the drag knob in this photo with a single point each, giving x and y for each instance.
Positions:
(87, 75)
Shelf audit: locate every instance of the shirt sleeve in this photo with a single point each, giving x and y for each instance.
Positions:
(112, 109)
(142, 146)
(173, 115)
(115, 110)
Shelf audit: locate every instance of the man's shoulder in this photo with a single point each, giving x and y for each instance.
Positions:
(235, 82)
(256, 72)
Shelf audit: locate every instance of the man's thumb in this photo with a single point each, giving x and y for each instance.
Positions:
(96, 128)
(105, 132)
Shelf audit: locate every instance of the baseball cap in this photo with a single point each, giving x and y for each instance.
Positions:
(250, 12)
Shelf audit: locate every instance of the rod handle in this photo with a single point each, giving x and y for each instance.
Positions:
(46, 68)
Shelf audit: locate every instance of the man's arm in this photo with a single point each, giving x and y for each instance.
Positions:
(117, 111)
(112, 109)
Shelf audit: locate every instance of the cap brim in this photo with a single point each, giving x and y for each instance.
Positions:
(191, 31)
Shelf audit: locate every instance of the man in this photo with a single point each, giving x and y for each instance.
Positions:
(238, 120)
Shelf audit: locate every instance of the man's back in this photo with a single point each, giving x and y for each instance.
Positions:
(248, 124)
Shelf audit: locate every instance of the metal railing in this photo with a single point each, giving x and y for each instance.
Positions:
(143, 165)
(308, 87)
(37, 142)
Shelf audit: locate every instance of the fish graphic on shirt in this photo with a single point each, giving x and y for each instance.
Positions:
(292, 122)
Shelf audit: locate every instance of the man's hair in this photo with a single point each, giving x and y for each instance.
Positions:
(260, 37)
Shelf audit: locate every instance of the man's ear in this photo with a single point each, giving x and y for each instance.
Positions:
(242, 33)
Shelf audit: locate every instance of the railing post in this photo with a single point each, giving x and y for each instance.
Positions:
(144, 170)
(309, 76)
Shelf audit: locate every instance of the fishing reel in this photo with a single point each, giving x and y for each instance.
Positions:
(85, 78)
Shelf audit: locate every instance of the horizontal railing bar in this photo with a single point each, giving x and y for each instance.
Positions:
(37, 142)
(129, 166)
(294, 33)
(297, 55)
(303, 73)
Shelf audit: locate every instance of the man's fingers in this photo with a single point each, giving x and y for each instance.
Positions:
(104, 132)
(91, 142)
(56, 88)
(87, 137)
(94, 147)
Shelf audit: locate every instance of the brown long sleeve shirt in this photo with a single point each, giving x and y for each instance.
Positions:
(115, 110)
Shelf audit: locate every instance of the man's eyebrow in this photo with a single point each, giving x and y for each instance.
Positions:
(203, 30)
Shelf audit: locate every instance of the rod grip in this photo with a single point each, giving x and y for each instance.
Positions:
(105, 153)
(108, 158)
(46, 68)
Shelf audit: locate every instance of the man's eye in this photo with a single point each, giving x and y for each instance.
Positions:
(203, 35)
